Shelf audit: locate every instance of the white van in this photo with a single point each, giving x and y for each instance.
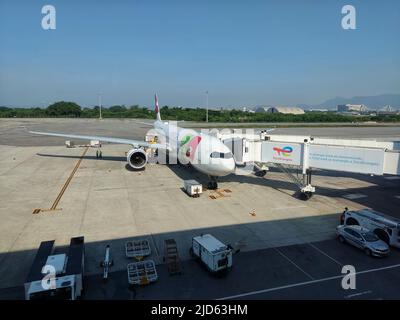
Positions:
(387, 228)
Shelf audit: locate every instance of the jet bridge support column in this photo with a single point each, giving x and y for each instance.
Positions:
(307, 190)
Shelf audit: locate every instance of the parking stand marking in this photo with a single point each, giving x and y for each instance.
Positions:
(325, 254)
(357, 294)
(298, 267)
(393, 178)
(354, 196)
(304, 283)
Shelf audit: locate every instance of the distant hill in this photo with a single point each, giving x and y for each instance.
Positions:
(372, 102)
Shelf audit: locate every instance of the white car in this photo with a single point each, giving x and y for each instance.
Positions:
(364, 239)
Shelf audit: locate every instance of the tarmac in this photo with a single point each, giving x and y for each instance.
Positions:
(105, 201)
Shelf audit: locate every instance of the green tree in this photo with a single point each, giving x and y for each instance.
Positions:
(63, 108)
(116, 109)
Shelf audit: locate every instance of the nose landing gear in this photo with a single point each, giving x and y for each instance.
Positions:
(212, 184)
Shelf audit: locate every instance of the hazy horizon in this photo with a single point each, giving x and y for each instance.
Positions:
(250, 107)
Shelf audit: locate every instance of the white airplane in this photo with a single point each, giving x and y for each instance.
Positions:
(204, 152)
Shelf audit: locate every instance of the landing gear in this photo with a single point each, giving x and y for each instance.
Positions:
(305, 195)
(212, 184)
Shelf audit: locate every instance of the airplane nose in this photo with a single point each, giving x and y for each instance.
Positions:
(230, 166)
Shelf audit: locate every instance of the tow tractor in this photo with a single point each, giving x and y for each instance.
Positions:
(107, 263)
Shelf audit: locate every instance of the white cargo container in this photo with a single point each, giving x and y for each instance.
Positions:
(215, 255)
(192, 188)
(69, 144)
(95, 143)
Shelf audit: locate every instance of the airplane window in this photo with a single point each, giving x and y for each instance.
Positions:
(221, 155)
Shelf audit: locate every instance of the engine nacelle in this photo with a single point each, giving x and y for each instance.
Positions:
(137, 158)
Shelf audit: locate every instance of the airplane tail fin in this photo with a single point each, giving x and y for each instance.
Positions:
(156, 108)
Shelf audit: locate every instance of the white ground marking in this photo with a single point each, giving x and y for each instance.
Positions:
(304, 283)
(353, 196)
(155, 247)
(325, 254)
(398, 197)
(298, 267)
(290, 207)
(393, 178)
(357, 294)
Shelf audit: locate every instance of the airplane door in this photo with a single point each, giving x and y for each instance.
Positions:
(236, 147)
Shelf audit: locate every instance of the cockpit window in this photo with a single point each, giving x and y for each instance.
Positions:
(221, 155)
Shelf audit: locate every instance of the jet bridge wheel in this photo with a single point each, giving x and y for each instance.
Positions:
(305, 195)
(260, 173)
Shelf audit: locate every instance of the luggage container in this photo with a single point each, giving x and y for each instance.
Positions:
(69, 144)
(193, 188)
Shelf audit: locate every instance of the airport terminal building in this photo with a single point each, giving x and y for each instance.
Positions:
(351, 108)
(279, 109)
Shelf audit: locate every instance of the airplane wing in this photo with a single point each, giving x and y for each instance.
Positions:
(145, 123)
(105, 139)
(269, 130)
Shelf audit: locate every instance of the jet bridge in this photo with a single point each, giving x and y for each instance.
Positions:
(305, 153)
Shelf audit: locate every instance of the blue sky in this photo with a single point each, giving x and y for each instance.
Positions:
(243, 52)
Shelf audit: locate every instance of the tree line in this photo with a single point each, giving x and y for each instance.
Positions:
(65, 109)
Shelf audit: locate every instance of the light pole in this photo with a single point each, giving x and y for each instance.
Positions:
(100, 106)
(207, 106)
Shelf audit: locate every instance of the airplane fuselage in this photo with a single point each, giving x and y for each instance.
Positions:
(204, 152)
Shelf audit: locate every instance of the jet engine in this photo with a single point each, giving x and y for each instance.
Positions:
(137, 158)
